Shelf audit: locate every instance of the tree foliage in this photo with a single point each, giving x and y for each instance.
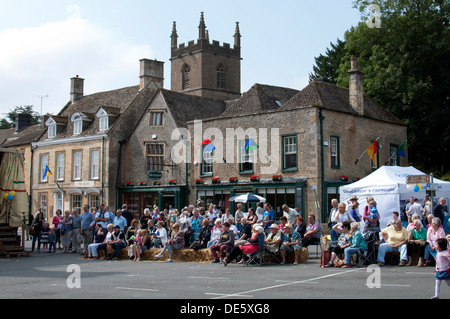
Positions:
(10, 117)
(406, 69)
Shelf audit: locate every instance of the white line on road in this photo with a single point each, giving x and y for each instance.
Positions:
(225, 295)
(138, 289)
(208, 278)
(239, 294)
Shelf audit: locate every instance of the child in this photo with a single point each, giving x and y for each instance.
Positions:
(45, 231)
(442, 265)
(395, 216)
(373, 210)
(52, 241)
(138, 243)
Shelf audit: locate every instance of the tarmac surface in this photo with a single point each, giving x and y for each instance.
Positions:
(69, 276)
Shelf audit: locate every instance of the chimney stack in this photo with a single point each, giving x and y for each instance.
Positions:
(151, 70)
(22, 121)
(76, 88)
(356, 87)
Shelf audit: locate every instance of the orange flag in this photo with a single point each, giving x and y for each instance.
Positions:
(372, 152)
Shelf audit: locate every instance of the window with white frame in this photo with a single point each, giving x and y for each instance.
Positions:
(76, 165)
(246, 158)
(104, 123)
(207, 162)
(60, 158)
(290, 152)
(94, 201)
(77, 127)
(43, 203)
(59, 201)
(44, 164)
(52, 131)
(95, 164)
(76, 202)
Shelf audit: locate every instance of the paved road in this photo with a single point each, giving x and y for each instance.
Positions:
(46, 276)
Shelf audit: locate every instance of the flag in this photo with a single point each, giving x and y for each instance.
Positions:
(401, 150)
(372, 152)
(47, 172)
(250, 145)
(209, 146)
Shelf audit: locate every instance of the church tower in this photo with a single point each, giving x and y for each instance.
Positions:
(205, 68)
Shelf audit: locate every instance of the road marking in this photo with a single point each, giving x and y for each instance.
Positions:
(225, 295)
(239, 294)
(138, 289)
(290, 281)
(391, 285)
(208, 278)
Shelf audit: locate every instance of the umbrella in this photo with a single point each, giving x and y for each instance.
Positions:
(247, 198)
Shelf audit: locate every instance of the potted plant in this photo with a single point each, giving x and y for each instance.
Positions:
(343, 178)
(254, 178)
(277, 178)
(156, 182)
(199, 181)
(216, 180)
(173, 182)
(234, 179)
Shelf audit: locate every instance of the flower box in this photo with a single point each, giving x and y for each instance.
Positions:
(199, 181)
(234, 179)
(343, 178)
(156, 182)
(173, 182)
(254, 178)
(130, 184)
(216, 180)
(355, 179)
(277, 178)
(142, 183)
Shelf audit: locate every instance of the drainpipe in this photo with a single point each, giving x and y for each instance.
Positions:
(321, 119)
(121, 143)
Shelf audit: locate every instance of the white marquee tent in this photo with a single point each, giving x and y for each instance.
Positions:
(387, 185)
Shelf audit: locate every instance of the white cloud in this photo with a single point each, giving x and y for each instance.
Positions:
(41, 60)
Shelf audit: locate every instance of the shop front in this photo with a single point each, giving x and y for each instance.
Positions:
(290, 192)
(139, 198)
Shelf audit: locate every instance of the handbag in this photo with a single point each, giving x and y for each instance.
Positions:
(33, 231)
(325, 257)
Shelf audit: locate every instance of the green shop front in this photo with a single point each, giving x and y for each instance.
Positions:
(277, 193)
(140, 197)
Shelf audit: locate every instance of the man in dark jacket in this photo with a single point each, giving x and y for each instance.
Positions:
(225, 243)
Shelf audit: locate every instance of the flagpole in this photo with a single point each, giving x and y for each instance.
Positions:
(365, 151)
(392, 156)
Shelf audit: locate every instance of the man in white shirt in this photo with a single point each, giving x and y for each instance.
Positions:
(290, 213)
(415, 208)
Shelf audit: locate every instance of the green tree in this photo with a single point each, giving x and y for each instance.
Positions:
(327, 65)
(406, 63)
(10, 117)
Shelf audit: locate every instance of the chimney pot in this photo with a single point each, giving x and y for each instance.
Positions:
(151, 70)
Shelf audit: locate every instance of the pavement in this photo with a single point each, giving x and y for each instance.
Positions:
(69, 276)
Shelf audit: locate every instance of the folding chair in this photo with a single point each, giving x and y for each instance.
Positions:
(256, 258)
(369, 256)
(274, 255)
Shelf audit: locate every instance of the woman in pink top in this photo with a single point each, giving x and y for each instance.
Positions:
(55, 221)
(434, 233)
(251, 246)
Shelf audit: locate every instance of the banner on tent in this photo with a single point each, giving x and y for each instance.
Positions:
(369, 190)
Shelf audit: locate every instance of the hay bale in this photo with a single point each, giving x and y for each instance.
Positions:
(181, 255)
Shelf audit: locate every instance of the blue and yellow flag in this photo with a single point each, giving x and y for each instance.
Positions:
(47, 172)
(250, 145)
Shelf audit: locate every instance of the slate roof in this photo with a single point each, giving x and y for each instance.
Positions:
(336, 98)
(259, 99)
(185, 108)
(5, 133)
(25, 136)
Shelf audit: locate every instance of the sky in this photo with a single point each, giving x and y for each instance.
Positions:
(45, 43)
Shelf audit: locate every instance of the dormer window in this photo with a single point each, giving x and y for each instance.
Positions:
(51, 128)
(103, 120)
(77, 120)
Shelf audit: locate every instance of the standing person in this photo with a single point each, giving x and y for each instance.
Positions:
(268, 216)
(102, 217)
(36, 225)
(442, 265)
(427, 209)
(87, 226)
(251, 217)
(197, 224)
(127, 215)
(55, 221)
(415, 209)
(66, 231)
(238, 215)
(408, 206)
(120, 221)
(334, 209)
(439, 210)
(372, 225)
(291, 214)
(76, 232)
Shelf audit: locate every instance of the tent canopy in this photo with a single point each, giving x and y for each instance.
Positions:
(387, 185)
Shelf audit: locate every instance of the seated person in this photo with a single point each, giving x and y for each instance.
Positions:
(175, 242)
(343, 229)
(226, 242)
(118, 241)
(357, 243)
(203, 238)
(245, 232)
(291, 243)
(417, 239)
(283, 222)
(160, 236)
(433, 233)
(251, 246)
(99, 237)
(215, 232)
(313, 232)
(395, 238)
(273, 239)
